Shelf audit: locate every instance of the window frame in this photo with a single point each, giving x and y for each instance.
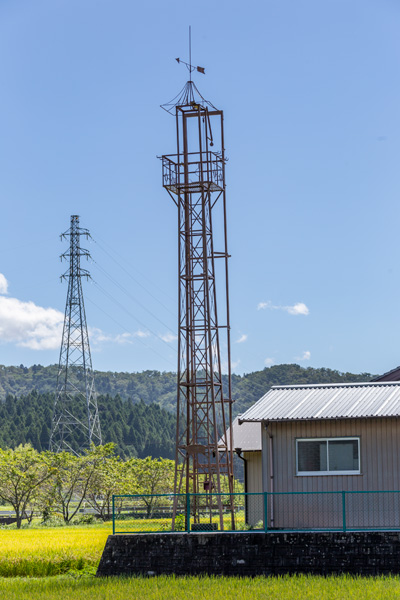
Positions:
(328, 472)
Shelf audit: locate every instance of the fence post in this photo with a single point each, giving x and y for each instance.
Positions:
(265, 512)
(113, 507)
(188, 513)
(344, 509)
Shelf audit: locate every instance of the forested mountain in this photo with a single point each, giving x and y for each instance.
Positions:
(154, 386)
(149, 386)
(137, 410)
(137, 429)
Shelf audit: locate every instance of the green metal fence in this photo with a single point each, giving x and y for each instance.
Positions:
(278, 511)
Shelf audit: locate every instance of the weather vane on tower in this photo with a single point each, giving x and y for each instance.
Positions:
(189, 65)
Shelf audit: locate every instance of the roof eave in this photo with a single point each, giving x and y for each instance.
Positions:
(341, 418)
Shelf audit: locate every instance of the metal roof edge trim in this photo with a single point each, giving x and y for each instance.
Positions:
(333, 385)
(342, 418)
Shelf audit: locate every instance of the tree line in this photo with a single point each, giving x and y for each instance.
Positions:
(49, 484)
(59, 484)
(136, 429)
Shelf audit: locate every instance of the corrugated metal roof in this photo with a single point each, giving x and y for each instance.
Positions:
(327, 401)
(246, 436)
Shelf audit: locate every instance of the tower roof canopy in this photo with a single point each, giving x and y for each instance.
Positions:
(189, 97)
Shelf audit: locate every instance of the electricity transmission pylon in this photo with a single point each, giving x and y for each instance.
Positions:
(194, 177)
(75, 422)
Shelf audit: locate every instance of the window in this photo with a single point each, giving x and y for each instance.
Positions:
(328, 456)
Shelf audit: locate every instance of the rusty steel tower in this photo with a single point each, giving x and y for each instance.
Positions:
(194, 177)
(75, 423)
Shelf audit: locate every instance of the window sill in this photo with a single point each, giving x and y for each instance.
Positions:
(327, 473)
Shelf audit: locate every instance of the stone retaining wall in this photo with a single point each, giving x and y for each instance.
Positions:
(251, 553)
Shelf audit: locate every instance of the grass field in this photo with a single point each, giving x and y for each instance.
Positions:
(60, 563)
(201, 588)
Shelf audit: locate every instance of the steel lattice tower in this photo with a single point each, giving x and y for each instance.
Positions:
(195, 179)
(75, 422)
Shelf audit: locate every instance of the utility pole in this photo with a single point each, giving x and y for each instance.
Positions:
(194, 177)
(75, 423)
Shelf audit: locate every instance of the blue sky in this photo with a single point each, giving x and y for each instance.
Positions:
(311, 95)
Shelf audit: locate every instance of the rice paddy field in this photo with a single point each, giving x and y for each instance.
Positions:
(43, 552)
(60, 564)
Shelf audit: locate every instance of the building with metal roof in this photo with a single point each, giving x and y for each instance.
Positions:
(326, 401)
(321, 441)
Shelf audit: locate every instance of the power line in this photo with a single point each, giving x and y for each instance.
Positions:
(111, 297)
(123, 289)
(153, 283)
(138, 282)
(138, 338)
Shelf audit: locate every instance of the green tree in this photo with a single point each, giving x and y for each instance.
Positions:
(149, 477)
(74, 476)
(23, 472)
(110, 478)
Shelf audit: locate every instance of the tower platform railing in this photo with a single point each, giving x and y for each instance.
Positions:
(202, 172)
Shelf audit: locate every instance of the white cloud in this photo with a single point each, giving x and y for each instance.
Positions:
(97, 336)
(29, 325)
(234, 364)
(269, 361)
(123, 338)
(3, 284)
(168, 337)
(141, 334)
(305, 356)
(297, 309)
(242, 339)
